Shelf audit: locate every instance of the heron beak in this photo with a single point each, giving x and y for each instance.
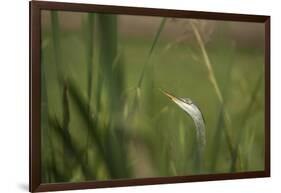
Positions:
(170, 96)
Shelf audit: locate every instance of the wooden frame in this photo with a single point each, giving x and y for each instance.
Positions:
(35, 87)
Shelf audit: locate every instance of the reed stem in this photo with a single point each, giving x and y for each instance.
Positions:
(213, 80)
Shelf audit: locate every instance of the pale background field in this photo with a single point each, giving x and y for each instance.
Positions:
(14, 101)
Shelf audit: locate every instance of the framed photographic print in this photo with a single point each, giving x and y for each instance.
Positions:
(123, 96)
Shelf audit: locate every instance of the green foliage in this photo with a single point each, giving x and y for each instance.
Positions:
(103, 116)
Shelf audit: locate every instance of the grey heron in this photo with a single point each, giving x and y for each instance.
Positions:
(194, 112)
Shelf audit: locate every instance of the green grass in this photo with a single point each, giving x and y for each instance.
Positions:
(93, 130)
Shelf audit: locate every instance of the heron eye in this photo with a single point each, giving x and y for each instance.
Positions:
(188, 101)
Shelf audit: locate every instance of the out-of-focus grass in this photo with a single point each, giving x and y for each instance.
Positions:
(93, 131)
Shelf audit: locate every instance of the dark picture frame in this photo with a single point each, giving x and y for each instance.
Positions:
(35, 93)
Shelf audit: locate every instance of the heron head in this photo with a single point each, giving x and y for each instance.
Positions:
(185, 104)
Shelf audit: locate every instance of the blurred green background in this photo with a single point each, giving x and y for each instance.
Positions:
(103, 116)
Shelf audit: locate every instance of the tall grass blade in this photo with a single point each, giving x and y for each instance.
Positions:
(66, 120)
(107, 33)
(46, 140)
(57, 45)
(213, 80)
(155, 40)
(216, 140)
(111, 85)
(146, 65)
(246, 115)
(62, 81)
(90, 55)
